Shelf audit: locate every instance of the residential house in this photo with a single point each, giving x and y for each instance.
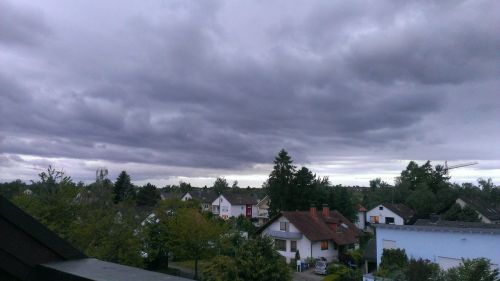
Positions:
(313, 234)
(234, 205)
(485, 211)
(204, 196)
(263, 210)
(443, 242)
(388, 213)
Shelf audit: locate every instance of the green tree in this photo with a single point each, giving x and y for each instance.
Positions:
(279, 185)
(222, 268)
(11, 189)
(470, 270)
(148, 195)
(457, 213)
(303, 190)
(53, 201)
(418, 270)
(123, 188)
(193, 236)
(393, 260)
(157, 244)
(220, 185)
(255, 260)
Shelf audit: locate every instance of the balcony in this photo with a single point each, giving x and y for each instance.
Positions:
(285, 234)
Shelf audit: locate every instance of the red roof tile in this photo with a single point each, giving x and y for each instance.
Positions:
(334, 227)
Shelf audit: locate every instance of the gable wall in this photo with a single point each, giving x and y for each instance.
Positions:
(382, 214)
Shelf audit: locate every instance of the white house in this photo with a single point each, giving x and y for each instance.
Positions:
(387, 213)
(442, 242)
(205, 197)
(233, 205)
(312, 234)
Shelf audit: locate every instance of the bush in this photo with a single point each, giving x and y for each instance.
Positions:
(420, 269)
(393, 259)
(340, 272)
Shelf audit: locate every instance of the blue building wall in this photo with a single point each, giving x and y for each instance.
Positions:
(434, 244)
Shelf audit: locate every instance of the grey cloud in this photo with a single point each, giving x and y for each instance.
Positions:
(170, 89)
(21, 26)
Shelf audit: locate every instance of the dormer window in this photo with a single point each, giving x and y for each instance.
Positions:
(381, 208)
(284, 226)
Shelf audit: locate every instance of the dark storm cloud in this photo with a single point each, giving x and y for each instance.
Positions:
(176, 86)
(21, 26)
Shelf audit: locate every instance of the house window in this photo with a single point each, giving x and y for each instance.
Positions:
(224, 208)
(381, 208)
(389, 220)
(283, 226)
(388, 244)
(324, 245)
(280, 244)
(374, 219)
(293, 246)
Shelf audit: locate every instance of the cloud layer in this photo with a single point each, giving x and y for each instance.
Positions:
(199, 89)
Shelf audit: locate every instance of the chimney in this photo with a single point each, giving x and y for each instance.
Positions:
(326, 210)
(312, 211)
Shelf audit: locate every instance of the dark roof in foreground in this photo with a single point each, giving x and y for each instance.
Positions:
(320, 227)
(446, 226)
(31, 252)
(486, 209)
(25, 243)
(96, 270)
(400, 209)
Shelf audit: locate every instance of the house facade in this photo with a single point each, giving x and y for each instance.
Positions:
(205, 197)
(311, 233)
(387, 213)
(442, 242)
(235, 205)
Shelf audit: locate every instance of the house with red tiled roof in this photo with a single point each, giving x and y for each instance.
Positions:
(313, 234)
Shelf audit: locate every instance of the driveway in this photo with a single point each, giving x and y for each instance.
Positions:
(307, 275)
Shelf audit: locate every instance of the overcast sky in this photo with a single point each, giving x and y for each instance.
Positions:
(192, 90)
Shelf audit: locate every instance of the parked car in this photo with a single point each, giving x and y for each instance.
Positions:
(320, 267)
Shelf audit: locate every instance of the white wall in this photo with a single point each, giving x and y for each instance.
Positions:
(361, 220)
(439, 246)
(238, 210)
(225, 206)
(382, 214)
(330, 254)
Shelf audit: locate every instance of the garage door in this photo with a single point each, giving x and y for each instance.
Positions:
(447, 262)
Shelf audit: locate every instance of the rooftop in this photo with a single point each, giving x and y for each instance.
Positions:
(446, 226)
